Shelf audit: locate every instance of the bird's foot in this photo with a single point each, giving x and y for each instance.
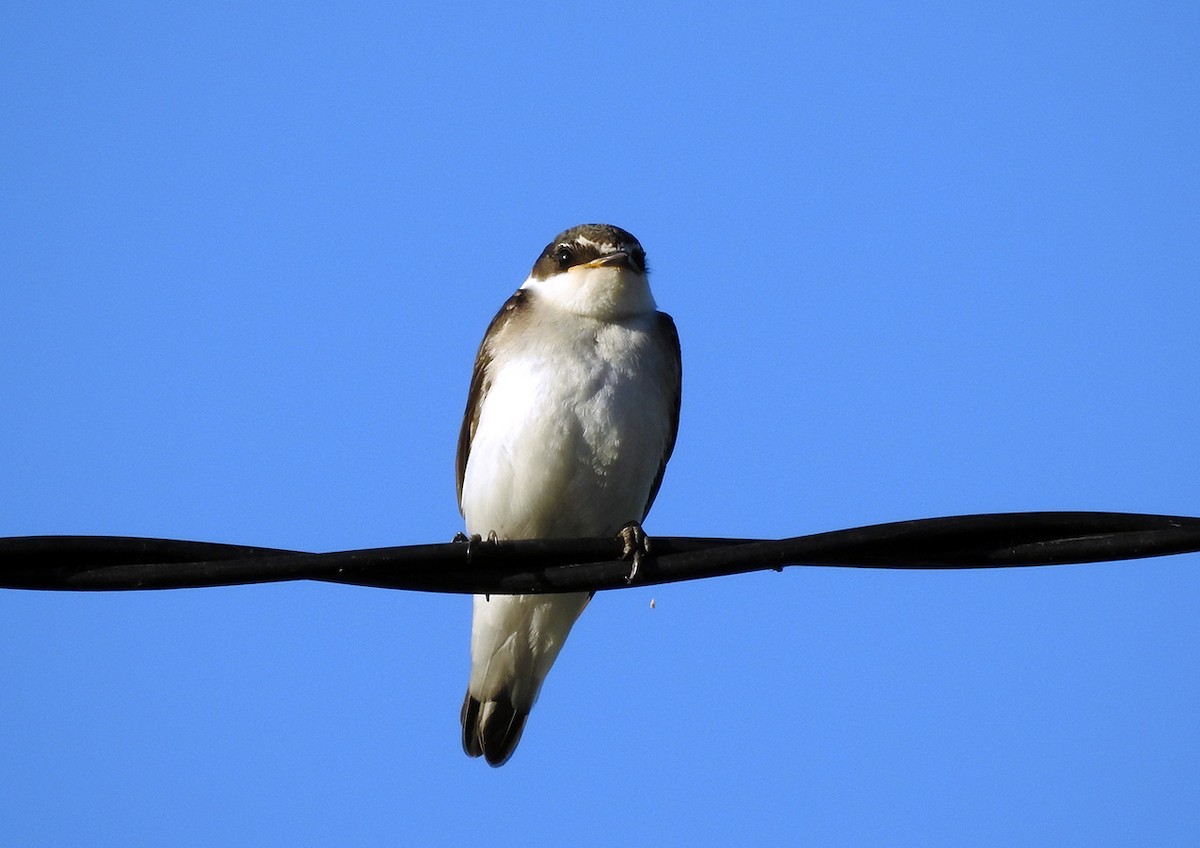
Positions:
(474, 540)
(637, 545)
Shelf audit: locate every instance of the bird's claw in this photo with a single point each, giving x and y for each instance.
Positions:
(636, 545)
(474, 540)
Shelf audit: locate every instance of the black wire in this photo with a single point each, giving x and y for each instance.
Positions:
(571, 565)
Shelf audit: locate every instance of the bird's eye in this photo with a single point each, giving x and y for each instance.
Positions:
(564, 256)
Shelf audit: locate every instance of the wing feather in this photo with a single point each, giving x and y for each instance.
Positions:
(668, 338)
(481, 381)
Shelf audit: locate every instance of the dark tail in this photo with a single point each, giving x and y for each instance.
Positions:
(491, 729)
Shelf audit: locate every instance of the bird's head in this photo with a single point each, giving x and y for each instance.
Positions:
(596, 270)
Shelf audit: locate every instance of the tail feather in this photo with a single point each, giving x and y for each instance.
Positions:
(491, 729)
(514, 641)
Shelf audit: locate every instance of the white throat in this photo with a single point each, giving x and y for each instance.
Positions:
(603, 293)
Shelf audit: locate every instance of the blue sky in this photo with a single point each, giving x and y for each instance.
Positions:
(925, 259)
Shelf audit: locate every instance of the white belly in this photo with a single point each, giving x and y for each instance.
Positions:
(570, 436)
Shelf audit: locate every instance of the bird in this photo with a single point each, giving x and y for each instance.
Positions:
(571, 417)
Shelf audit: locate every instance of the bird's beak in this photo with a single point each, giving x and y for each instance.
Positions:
(619, 259)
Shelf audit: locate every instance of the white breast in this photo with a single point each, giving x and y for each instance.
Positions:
(572, 430)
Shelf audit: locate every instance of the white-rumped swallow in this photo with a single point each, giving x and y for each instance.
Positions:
(570, 420)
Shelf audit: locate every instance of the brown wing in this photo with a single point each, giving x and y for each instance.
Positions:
(668, 338)
(481, 381)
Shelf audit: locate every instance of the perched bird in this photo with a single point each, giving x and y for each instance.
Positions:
(570, 420)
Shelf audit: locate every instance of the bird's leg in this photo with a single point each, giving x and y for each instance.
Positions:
(637, 545)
